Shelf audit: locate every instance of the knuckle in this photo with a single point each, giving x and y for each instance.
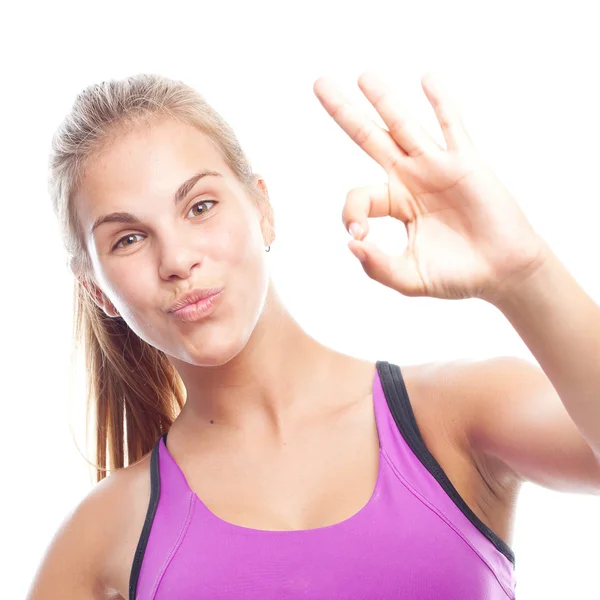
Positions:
(364, 133)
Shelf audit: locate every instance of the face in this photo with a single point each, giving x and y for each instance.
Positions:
(213, 236)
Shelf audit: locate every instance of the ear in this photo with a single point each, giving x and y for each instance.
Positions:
(97, 296)
(266, 209)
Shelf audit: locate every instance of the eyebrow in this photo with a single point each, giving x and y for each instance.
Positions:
(180, 194)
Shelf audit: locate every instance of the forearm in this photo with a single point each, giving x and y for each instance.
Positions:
(560, 324)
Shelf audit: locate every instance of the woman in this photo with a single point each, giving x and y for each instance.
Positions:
(291, 470)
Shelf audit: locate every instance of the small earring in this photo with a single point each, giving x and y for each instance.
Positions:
(268, 248)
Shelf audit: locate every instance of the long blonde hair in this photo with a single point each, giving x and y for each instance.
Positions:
(133, 391)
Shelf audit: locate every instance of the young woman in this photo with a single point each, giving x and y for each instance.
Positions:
(247, 459)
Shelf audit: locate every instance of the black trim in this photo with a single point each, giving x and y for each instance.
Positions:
(401, 409)
(152, 506)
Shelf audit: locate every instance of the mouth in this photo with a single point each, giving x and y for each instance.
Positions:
(194, 296)
(200, 309)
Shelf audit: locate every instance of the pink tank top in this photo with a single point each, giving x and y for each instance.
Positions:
(415, 539)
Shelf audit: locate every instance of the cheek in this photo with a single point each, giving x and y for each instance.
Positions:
(247, 268)
(240, 247)
(111, 282)
(132, 282)
(130, 293)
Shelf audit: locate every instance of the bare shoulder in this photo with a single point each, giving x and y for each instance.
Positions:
(130, 496)
(440, 393)
(440, 396)
(88, 556)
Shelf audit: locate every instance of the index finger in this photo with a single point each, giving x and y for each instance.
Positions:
(375, 141)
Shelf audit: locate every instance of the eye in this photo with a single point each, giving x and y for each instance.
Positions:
(129, 235)
(203, 202)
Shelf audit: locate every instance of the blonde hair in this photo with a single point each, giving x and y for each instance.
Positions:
(133, 391)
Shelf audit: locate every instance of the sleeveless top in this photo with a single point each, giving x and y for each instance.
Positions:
(416, 538)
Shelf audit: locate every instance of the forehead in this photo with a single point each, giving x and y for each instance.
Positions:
(149, 161)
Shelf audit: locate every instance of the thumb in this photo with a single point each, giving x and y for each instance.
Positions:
(397, 272)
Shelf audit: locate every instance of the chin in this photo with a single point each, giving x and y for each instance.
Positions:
(214, 352)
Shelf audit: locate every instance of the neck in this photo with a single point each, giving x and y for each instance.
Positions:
(274, 380)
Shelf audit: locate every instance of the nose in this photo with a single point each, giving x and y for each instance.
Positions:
(178, 257)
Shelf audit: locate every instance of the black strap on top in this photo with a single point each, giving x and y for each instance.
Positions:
(397, 398)
(152, 505)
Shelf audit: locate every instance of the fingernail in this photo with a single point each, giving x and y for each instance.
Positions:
(355, 230)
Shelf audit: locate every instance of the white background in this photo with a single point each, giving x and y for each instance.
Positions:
(525, 75)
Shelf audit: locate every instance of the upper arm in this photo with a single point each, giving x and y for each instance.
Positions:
(511, 411)
(70, 566)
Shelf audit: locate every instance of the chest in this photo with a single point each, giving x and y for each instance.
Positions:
(368, 556)
(311, 482)
(298, 483)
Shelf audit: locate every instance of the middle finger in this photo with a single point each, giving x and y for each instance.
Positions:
(375, 141)
(403, 127)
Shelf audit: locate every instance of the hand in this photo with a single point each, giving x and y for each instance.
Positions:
(467, 237)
